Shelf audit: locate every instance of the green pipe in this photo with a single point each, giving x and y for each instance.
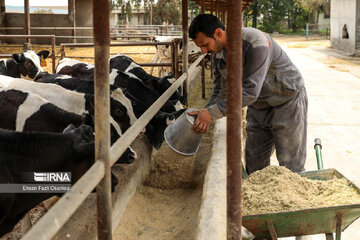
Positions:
(318, 148)
(244, 174)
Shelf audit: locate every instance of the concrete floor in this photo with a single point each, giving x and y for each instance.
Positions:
(333, 86)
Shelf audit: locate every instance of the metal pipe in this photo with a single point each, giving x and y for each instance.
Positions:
(72, 17)
(62, 51)
(173, 45)
(234, 115)
(318, 148)
(26, 36)
(119, 147)
(176, 53)
(115, 44)
(101, 11)
(27, 22)
(53, 57)
(185, 56)
(56, 217)
(52, 221)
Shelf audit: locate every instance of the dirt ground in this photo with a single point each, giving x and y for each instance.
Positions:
(167, 205)
(166, 208)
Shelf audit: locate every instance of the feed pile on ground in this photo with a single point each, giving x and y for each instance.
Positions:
(277, 189)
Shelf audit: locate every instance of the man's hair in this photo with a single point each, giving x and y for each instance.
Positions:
(205, 23)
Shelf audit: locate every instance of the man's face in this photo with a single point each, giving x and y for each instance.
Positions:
(208, 44)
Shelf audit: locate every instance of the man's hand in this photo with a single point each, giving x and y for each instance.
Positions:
(202, 122)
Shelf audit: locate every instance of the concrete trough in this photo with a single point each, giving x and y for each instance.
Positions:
(83, 225)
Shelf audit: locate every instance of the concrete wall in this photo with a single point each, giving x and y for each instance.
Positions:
(343, 12)
(83, 10)
(323, 22)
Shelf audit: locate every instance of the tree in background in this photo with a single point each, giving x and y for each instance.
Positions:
(43, 11)
(167, 12)
(125, 6)
(281, 15)
(312, 7)
(162, 12)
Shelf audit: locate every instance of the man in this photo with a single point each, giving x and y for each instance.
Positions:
(273, 90)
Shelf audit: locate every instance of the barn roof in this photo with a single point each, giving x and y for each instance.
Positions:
(219, 5)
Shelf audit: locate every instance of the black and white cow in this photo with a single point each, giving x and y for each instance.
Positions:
(22, 111)
(24, 64)
(155, 128)
(136, 88)
(119, 63)
(71, 151)
(157, 85)
(75, 68)
(120, 105)
(71, 83)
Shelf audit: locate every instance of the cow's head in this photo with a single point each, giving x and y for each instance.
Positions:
(129, 155)
(84, 146)
(29, 62)
(121, 109)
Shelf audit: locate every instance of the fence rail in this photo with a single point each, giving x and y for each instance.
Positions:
(56, 217)
(52, 37)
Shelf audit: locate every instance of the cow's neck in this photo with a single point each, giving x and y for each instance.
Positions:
(89, 103)
(11, 68)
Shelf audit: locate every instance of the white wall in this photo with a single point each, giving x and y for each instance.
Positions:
(343, 12)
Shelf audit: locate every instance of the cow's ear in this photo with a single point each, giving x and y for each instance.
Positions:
(44, 54)
(16, 57)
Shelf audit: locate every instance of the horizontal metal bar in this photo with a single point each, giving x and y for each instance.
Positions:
(27, 36)
(56, 217)
(119, 147)
(47, 227)
(116, 44)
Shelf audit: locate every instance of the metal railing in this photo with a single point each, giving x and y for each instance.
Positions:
(52, 37)
(171, 64)
(56, 217)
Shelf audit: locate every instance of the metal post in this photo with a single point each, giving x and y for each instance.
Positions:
(62, 51)
(72, 15)
(307, 31)
(27, 23)
(318, 148)
(234, 69)
(185, 42)
(53, 57)
(101, 11)
(172, 46)
(176, 55)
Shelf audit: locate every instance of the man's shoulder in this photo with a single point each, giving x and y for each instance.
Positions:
(255, 37)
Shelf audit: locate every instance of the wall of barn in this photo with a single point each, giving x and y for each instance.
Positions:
(83, 10)
(343, 24)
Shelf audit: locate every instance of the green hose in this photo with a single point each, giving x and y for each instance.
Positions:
(318, 148)
(243, 170)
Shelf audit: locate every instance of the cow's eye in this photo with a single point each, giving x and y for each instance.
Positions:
(28, 64)
(118, 112)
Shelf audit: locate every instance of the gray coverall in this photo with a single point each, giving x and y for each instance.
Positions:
(274, 91)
